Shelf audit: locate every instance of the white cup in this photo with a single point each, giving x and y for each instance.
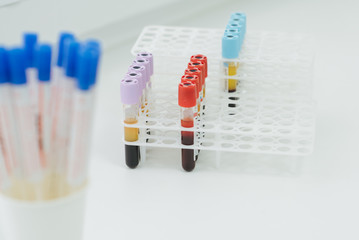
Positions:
(60, 219)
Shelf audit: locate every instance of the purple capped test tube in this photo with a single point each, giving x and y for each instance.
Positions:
(130, 96)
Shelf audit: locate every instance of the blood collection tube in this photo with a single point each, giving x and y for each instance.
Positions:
(187, 101)
(200, 65)
(230, 52)
(130, 96)
(144, 85)
(202, 59)
(240, 28)
(141, 69)
(149, 57)
(197, 72)
(146, 63)
(194, 79)
(241, 18)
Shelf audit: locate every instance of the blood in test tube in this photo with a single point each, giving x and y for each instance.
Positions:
(187, 100)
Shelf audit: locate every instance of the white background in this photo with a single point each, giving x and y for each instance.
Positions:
(248, 197)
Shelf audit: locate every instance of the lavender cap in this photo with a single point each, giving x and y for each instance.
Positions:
(141, 69)
(149, 57)
(138, 77)
(130, 91)
(146, 64)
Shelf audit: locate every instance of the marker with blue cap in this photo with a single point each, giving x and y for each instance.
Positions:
(26, 121)
(43, 64)
(81, 122)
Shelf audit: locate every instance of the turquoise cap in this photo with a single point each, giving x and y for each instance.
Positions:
(230, 46)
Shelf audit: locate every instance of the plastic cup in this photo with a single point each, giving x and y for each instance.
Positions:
(58, 219)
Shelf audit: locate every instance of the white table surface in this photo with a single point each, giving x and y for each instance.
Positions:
(247, 197)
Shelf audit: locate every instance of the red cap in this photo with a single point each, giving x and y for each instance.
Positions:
(195, 71)
(203, 59)
(200, 65)
(193, 79)
(187, 95)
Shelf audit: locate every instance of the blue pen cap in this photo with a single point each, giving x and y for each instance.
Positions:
(85, 62)
(4, 66)
(230, 46)
(71, 50)
(43, 62)
(17, 66)
(65, 36)
(30, 41)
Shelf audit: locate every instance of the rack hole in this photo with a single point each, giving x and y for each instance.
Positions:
(169, 141)
(227, 145)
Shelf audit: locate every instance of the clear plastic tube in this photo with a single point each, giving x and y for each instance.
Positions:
(230, 68)
(28, 139)
(79, 141)
(45, 123)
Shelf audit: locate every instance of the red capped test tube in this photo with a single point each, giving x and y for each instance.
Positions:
(196, 72)
(187, 100)
(203, 59)
(195, 80)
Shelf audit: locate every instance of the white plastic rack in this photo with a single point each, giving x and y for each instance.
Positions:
(273, 110)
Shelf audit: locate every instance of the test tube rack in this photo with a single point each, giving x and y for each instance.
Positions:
(274, 109)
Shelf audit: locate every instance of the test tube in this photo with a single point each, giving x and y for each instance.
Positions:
(240, 28)
(147, 64)
(144, 72)
(130, 96)
(79, 142)
(8, 157)
(26, 119)
(187, 100)
(30, 42)
(230, 53)
(202, 59)
(58, 75)
(241, 18)
(201, 66)
(194, 79)
(43, 65)
(197, 72)
(65, 107)
(149, 57)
